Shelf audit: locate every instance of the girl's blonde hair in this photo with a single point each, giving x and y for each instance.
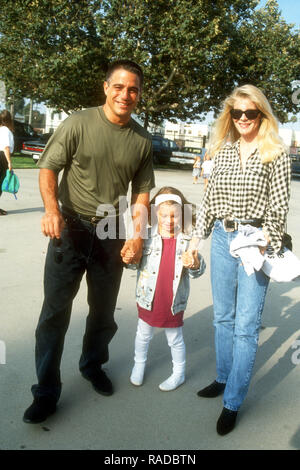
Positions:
(188, 213)
(270, 145)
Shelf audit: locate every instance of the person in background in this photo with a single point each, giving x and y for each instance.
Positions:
(248, 190)
(6, 147)
(206, 169)
(101, 150)
(196, 169)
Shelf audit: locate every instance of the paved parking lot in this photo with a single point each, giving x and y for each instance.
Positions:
(141, 418)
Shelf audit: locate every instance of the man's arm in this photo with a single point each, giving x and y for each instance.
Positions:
(132, 249)
(52, 222)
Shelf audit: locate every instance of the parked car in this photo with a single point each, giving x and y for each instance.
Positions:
(162, 148)
(22, 133)
(186, 156)
(35, 148)
(295, 160)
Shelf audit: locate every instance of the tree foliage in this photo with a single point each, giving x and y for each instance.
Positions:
(50, 51)
(272, 58)
(192, 53)
(182, 46)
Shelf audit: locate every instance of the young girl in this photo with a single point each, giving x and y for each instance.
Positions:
(163, 283)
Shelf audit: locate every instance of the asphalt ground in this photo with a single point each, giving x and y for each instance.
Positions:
(139, 418)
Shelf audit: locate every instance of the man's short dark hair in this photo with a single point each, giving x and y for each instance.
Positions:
(128, 65)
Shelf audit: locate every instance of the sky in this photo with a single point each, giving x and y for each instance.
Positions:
(290, 10)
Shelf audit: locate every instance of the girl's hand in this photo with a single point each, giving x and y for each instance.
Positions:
(190, 259)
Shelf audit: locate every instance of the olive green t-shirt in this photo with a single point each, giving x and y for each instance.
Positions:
(99, 159)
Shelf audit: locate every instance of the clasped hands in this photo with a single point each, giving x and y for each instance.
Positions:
(131, 253)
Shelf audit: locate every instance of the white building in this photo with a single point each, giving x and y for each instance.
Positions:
(2, 95)
(286, 135)
(187, 135)
(296, 138)
(290, 137)
(53, 119)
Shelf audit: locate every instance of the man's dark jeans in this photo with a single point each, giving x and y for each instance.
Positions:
(83, 252)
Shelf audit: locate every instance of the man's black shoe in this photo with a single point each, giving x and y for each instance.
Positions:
(39, 410)
(226, 421)
(213, 390)
(100, 381)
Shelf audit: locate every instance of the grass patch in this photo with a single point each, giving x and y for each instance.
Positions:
(19, 162)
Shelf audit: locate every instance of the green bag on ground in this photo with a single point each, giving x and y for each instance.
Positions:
(11, 183)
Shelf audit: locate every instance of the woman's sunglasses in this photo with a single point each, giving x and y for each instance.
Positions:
(249, 113)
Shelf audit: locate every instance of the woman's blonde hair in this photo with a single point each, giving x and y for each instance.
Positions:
(269, 142)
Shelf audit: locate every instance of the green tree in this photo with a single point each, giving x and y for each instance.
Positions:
(192, 53)
(50, 51)
(183, 47)
(271, 59)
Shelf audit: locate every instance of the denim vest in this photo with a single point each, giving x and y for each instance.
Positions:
(148, 273)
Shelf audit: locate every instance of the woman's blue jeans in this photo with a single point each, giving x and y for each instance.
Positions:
(83, 252)
(238, 304)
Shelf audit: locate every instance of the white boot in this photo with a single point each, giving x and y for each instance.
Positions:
(143, 336)
(137, 374)
(176, 343)
(175, 380)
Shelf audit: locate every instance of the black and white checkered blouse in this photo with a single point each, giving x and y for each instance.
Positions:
(262, 191)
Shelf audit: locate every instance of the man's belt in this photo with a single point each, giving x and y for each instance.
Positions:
(231, 225)
(87, 218)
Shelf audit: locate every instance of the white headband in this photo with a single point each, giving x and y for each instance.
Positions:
(167, 197)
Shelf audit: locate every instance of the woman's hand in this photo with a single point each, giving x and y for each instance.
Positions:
(190, 259)
(262, 249)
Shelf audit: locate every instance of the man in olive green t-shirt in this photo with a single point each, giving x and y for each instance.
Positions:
(100, 150)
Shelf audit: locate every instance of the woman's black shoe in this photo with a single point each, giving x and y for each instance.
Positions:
(226, 421)
(39, 410)
(213, 390)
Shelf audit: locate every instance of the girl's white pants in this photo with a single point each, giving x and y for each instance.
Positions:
(175, 341)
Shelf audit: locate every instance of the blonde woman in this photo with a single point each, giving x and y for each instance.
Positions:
(249, 185)
(6, 147)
